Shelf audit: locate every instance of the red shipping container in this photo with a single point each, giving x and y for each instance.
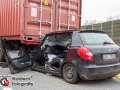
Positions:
(27, 20)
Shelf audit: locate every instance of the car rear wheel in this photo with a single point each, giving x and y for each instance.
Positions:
(70, 73)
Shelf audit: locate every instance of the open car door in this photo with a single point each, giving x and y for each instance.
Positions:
(17, 59)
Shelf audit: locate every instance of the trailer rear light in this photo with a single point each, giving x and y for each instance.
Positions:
(85, 54)
(32, 43)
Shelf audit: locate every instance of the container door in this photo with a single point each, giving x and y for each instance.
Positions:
(38, 18)
(68, 15)
(17, 59)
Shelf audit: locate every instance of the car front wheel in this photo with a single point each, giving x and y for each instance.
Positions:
(70, 73)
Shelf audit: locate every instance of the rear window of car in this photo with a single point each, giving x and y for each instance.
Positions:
(95, 38)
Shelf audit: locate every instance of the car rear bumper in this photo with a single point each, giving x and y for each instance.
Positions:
(95, 72)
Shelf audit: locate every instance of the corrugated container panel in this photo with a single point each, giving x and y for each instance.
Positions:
(68, 15)
(27, 20)
(9, 18)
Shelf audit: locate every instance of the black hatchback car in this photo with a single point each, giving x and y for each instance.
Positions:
(74, 55)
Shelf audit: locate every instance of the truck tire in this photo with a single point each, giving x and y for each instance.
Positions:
(1, 52)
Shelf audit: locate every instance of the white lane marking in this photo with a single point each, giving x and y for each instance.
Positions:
(7, 89)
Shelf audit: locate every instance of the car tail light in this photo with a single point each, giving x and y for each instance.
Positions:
(85, 54)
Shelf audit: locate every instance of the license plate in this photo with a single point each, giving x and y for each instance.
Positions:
(108, 56)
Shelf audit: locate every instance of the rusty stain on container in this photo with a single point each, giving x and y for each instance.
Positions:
(27, 20)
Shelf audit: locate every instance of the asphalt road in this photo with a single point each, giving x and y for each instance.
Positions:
(42, 81)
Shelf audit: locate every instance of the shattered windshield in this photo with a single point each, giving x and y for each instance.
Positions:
(59, 39)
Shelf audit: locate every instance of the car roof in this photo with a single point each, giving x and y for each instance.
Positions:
(70, 31)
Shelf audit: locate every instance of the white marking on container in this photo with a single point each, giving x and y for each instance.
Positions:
(33, 4)
(73, 18)
(34, 12)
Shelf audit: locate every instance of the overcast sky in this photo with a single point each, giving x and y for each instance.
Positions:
(99, 9)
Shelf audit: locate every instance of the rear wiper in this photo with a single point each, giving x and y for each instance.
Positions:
(107, 42)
